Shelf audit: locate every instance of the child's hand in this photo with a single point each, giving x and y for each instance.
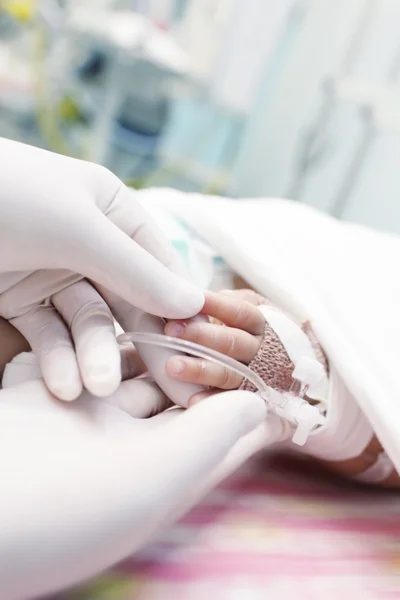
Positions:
(239, 335)
(240, 338)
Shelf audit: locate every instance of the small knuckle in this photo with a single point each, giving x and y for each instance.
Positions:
(237, 310)
(252, 297)
(44, 344)
(232, 343)
(106, 188)
(196, 369)
(242, 314)
(193, 332)
(260, 337)
(56, 345)
(95, 307)
(203, 367)
(227, 378)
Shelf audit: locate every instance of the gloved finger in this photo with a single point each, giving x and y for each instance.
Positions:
(92, 328)
(192, 445)
(246, 295)
(203, 372)
(49, 338)
(200, 396)
(234, 312)
(235, 343)
(140, 398)
(33, 289)
(109, 257)
(123, 312)
(129, 215)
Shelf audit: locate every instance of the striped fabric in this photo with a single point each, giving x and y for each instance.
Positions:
(280, 529)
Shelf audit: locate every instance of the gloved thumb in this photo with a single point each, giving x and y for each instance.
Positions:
(188, 448)
(113, 259)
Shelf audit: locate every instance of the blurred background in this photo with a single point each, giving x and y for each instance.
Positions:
(292, 98)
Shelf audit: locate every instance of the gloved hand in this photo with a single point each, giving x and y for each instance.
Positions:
(64, 220)
(109, 481)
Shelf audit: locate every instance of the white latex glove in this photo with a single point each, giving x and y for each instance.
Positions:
(85, 484)
(62, 220)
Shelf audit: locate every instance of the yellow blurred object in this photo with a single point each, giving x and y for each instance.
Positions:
(21, 10)
(68, 110)
(46, 113)
(109, 587)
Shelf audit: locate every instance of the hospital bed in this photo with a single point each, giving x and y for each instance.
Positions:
(280, 528)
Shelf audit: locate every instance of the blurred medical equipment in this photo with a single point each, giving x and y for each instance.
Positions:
(140, 60)
(314, 130)
(241, 44)
(368, 96)
(314, 146)
(128, 84)
(201, 119)
(241, 39)
(101, 83)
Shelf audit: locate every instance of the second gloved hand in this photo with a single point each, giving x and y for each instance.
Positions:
(65, 223)
(112, 480)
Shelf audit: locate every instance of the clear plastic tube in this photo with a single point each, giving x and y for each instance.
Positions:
(286, 405)
(165, 341)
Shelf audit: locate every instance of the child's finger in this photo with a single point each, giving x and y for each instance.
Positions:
(203, 372)
(236, 343)
(234, 312)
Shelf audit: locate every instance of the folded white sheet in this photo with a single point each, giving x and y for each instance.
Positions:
(344, 278)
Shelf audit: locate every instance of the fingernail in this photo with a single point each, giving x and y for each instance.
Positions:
(176, 365)
(175, 329)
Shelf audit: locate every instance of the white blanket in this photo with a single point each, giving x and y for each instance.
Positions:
(344, 278)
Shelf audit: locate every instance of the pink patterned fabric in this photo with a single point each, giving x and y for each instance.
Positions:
(280, 529)
(273, 364)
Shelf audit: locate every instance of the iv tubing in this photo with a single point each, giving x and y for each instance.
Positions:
(165, 341)
(292, 408)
